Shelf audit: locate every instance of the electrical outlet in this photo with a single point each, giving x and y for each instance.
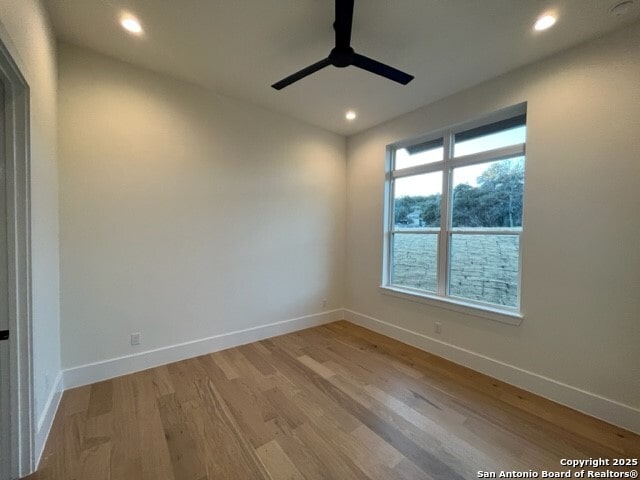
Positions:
(438, 328)
(135, 338)
(324, 303)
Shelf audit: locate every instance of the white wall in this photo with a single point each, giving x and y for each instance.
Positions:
(185, 214)
(24, 29)
(581, 241)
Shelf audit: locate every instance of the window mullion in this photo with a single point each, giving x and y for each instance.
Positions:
(422, 231)
(388, 265)
(480, 231)
(445, 214)
(418, 169)
(503, 153)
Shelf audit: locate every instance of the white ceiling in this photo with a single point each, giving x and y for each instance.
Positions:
(240, 47)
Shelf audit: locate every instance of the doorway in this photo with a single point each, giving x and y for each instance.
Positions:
(5, 399)
(16, 391)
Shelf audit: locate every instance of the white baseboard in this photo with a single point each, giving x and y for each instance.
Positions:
(46, 419)
(611, 411)
(106, 369)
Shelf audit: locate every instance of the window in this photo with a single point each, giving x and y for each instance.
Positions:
(454, 203)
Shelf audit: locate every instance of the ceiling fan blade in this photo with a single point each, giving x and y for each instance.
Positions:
(373, 66)
(301, 74)
(342, 25)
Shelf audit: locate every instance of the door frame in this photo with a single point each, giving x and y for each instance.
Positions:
(17, 154)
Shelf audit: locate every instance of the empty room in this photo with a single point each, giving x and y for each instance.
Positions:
(319, 239)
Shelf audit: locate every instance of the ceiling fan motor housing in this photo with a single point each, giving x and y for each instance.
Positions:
(341, 57)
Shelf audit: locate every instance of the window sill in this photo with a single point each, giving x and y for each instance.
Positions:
(505, 316)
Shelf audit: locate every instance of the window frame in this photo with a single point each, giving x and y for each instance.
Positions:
(442, 298)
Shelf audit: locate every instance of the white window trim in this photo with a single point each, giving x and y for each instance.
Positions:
(441, 299)
(511, 317)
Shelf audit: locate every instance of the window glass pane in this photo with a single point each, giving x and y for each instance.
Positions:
(485, 268)
(416, 202)
(419, 154)
(489, 141)
(488, 195)
(415, 260)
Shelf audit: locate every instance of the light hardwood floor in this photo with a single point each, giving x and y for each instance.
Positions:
(332, 402)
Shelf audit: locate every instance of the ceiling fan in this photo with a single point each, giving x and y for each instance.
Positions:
(343, 55)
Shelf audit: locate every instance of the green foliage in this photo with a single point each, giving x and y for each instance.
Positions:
(467, 211)
(408, 207)
(500, 189)
(430, 211)
(495, 202)
(402, 211)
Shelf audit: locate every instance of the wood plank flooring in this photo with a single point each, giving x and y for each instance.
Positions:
(332, 402)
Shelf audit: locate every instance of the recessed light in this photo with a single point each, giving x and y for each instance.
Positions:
(544, 22)
(131, 24)
(350, 115)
